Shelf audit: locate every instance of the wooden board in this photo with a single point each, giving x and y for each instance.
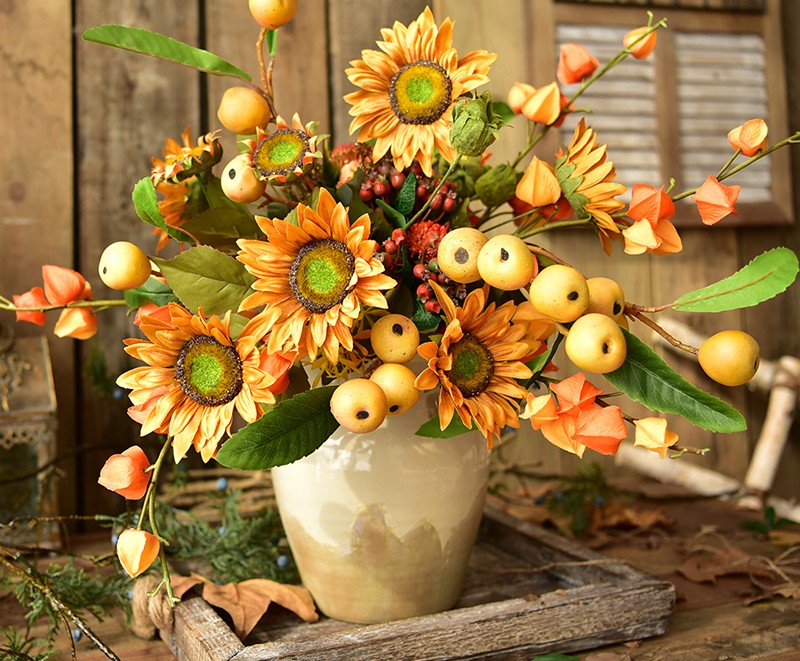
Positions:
(527, 592)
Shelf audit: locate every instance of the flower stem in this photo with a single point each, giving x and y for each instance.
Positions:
(658, 329)
(554, 226)
(5, 304)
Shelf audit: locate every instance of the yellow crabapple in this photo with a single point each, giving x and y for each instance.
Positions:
(242, 109)
(240, 181)
(359, 405)
(506, 262)
(272, 14)
(730, 357)
(560, 292)
(458, 254)
(124, 265)
(394, 338)
(397, 382)
(596, 344)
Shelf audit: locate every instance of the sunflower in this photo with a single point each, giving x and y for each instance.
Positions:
(317, 274)
(285, 151)
(183, 160)
(587, 179)
(195, 377)
(476, 362)
(408, 89)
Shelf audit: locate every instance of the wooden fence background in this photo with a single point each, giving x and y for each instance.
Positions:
(81, 123)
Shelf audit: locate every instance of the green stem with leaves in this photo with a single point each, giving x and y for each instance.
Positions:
(444, 178)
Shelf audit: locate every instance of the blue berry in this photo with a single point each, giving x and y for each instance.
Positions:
(222, 530)
(222, 484)
(76, 635)
(114, 538)
(599, 501)
(282, 561)
(539, 500)
(118, 393)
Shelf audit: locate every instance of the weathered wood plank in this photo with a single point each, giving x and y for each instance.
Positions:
(127, 105)
(36, 198)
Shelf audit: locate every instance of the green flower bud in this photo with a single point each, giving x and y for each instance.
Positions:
(496, 185)
(473, 129)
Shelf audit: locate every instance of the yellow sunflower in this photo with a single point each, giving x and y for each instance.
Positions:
(477, 363)
(285, 151)
(184, 158)
(587, 179)
(317, 274)
(408, 89)
(195, 377)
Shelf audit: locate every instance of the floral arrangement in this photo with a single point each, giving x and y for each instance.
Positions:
(308, 276)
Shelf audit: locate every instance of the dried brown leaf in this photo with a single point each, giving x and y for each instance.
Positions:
(708, 567)
(624, 516)
(246, 602)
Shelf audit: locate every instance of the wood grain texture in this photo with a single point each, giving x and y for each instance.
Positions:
(509, 609)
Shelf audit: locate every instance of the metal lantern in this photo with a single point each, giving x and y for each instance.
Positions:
(27, 442)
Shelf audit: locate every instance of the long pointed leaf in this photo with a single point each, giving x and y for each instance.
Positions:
(766, 276)
(146, 42)
(290, 431)
(646, 378)
(145, 202)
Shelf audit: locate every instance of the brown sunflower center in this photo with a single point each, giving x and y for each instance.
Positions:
(280, 152)
(473, 365)
(321, 273)
(420, 92)
(208, 371)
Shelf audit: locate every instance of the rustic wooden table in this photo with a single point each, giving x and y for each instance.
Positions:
(711, 620)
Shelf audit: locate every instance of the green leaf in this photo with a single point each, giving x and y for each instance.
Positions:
(290, 431)
(221, 226)
(766, 276)
(556, 656)
(146, 204)
(407, 195)
(394, 215)
(152, 291)
(424, 321)
(380, 228)
(538, 363)
(647, 379)
(431, 428)
(503, 110)
(147, 42)
(272, 42)
(207, 277)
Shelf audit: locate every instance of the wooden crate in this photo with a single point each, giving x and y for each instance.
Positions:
(527, 592)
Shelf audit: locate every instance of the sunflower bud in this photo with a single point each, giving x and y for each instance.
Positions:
(496, 185)
(473, 129)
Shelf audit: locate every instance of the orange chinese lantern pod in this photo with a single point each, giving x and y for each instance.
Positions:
(650, 203)
(750, 137)
(125, 473)
(518, 96)
(33, 298)
(652, 433)
(640, 46)
(539, 185)
(62, 285)
(544, 106)
(715, 200)
(575, 63)
(137, 550)
(77, 323)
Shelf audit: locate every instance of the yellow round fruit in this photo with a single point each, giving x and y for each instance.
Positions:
(596, 344)
(730, 357)
(240, 182)
(242, 109)
(272, 14)
(506, 262)
(458, 254)
(394, 338)
(560, 293)
(397, 382)
(124, 265)
(359, 405)
(606, 297)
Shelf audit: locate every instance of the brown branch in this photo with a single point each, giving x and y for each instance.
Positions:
(634, 312)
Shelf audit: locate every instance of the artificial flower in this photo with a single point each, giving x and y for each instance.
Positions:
(277, 365)
(184, 160)
(600, 428)
(518, 95)
(176, 206)
(160, 312)
(715, 200)
(196, 376)
(316, 274)
(407, 90)
(652, 231)
(283, 152)
(544, 105)
(476, 362)
(639, 42)
(539, 409)
(651, 203)
(575, 63)
(539, 185)
(750, 137)
(33, 298)
(587, 179)
(126, 473)
(137, 550)
(62, 285)
(652, 433)
(77, 323)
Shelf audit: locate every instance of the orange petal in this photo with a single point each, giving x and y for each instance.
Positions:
(80, 323)
(518, 95)
(539, 185)
(544, 106)
(62, 285)
(750, 137)
(575, 63)
(137, 550)
(33, 298)
(601, 428)
(651, 203)
(715, 200)
(652, 433)
(125, 473)
(638, 44)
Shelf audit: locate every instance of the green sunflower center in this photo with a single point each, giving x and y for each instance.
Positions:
(280, 152)
(208, 371)
(473, 366)
(420, 92)
(321, 273)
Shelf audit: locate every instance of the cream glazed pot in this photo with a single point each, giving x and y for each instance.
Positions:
(382, 524)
